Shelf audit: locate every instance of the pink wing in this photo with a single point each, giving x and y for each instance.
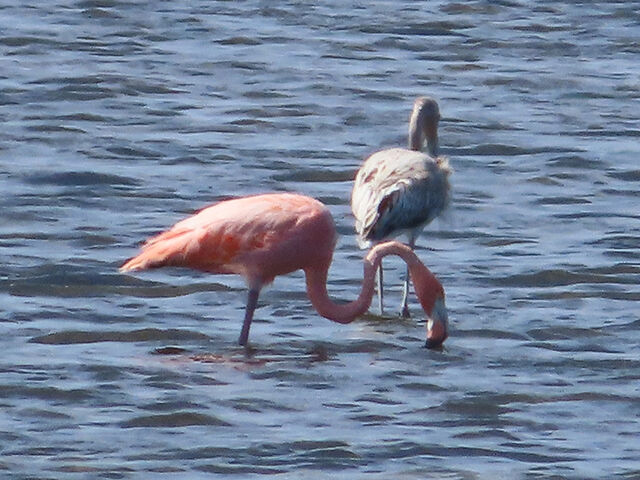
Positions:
(258, 237)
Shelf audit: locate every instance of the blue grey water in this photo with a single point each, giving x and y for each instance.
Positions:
(119, 118)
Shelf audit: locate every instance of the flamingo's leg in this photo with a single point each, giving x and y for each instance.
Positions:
(380, 291)
(405, 292)
(252, 303)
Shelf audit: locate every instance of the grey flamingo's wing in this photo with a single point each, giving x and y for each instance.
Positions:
(397, 191)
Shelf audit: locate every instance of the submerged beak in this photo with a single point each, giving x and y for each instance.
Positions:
(437, 325)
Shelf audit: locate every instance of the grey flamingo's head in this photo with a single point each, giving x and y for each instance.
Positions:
(423, 125)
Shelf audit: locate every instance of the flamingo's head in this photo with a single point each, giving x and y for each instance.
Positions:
(431, 295)
(437, 325)
(423, 125)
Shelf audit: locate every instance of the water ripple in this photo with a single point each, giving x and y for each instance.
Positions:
(141, 335)
(175, 420)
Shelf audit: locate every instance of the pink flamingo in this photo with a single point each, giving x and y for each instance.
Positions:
(401, 190)
(263, 236)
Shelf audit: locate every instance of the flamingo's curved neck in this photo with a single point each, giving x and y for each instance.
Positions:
(416, 139)
(341, 313)
(346, 313)
(423, 130)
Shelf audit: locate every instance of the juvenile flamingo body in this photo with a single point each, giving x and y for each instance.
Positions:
(399, 191)
(263, 236)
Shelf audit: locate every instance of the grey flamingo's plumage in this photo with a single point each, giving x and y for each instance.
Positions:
(399, 190)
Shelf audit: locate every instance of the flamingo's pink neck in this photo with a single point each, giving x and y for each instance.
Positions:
(341, 313)
(346, 313)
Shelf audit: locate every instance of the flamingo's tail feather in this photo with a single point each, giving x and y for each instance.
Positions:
(165, 250)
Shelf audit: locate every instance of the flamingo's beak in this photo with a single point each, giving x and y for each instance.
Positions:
(437, 325)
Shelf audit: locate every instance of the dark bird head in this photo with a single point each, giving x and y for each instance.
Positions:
(423, 125)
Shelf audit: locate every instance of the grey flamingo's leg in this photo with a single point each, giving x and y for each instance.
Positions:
(380, 291)
(252, 303)
(405, 293)
(405, 297)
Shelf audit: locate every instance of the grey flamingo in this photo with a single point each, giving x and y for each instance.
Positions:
(399, 191)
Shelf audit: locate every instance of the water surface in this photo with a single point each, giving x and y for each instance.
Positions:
(120, 118)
